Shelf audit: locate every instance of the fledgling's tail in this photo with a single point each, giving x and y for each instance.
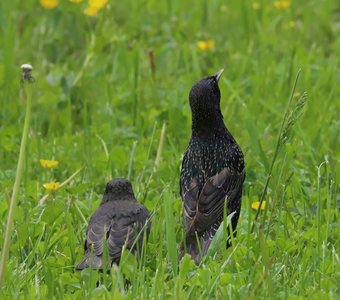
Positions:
(94, 261)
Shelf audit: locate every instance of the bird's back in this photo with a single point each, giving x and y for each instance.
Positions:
(205, 158)
(120, 222)
(215, 167)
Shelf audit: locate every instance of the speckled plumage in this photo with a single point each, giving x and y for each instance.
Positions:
(119, 219)
(213, 169)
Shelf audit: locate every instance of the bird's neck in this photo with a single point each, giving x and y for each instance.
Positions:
(208, 125)
(117, 196)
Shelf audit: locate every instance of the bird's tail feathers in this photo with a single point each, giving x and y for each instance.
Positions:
(192, 248)
(94, 261)
(205, 243)
(197, 247)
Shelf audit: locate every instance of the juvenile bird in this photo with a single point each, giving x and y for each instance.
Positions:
(119, 219)
(212, 171)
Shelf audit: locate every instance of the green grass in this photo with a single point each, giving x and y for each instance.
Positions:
(98, 104)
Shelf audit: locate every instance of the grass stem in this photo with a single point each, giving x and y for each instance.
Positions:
(26, 94)
(277, 148)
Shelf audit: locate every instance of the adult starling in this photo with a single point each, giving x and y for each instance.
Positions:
(119, 219)
(212, 172)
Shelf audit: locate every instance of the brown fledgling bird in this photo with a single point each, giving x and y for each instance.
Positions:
(120, 220)
(213, 170)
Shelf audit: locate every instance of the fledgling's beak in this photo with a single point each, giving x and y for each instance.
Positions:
(218, 74)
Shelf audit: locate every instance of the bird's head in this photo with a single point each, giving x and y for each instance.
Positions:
(118, 189)
(204, 100)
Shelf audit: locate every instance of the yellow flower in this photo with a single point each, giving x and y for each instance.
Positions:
(206, 45)
(282, 4)
(45, 163)
(49, 4)
(97, 3)
(94, 6)
(51, 186)
(255, 205)
(91, 11)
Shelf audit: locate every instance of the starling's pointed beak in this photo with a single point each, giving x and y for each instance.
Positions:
(218, 74)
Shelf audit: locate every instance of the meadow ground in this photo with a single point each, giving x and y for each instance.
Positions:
(106, 85)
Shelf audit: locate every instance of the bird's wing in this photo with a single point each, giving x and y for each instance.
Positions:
(125, 228)
(97, 230)
(96, 233)
(204, 207)
(190, 192)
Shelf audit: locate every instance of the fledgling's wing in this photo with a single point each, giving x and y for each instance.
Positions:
(127, 229)
(97, 231)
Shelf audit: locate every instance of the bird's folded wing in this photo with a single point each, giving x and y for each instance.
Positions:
(189, 193)
(143, 219)
(124, 230)
(210, 200)
(96, 233)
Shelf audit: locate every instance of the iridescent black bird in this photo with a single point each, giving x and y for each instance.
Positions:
(119, 219)
(213, 169)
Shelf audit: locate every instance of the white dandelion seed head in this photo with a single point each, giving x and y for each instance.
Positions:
(26, 67)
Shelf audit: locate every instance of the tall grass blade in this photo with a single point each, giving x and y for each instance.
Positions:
(132, 157)
(219, 238)
(170, 233)
(289, 119)
(160, 147)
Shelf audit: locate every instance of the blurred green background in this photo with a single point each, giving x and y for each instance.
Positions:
(108, 76)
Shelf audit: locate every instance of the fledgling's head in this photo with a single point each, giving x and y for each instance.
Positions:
(205, 94)
(118, 189)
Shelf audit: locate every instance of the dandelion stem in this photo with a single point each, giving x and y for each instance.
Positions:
(43, 199)
(26, 94)
(277, 148)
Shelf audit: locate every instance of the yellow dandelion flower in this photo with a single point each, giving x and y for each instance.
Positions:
(51, 186)
(49, 4)
(255, 205)
(97, 3)
(100, 3)
(201, 45)
(45, 163)
(91, 11)
(282, 4)
(211, 44)
(94, 6)
(206, 45)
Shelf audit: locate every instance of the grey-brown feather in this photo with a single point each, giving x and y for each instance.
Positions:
(119, 222)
